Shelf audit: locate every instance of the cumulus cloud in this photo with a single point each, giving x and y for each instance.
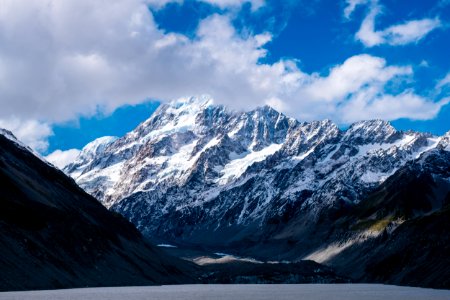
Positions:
(390, 107)
(352, 76)
(63, 59)
(59, 59)
(62, 158)
(356, 90)
(411, 31)
(31, 132)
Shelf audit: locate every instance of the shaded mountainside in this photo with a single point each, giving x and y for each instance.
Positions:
(415, 254)
(399, 234)
(412, 212)
(54, 235)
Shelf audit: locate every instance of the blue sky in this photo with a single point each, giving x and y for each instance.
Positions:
(76, 134)
(344, 60)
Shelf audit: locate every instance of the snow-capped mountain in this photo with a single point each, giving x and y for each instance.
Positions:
(195, 171)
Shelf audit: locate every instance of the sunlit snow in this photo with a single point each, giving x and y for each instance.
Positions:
(239, 164)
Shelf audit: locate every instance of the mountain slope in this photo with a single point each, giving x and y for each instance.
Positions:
(54, 235)
(411, 210)
(196, 170)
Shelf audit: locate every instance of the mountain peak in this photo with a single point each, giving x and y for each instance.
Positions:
(192, 152)
(191, 103)
(371, 131)
(372, 125)
(8, 134)
(98, 145)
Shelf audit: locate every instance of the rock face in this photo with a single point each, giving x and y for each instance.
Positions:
(195, 171)
(54, 235)
(411, 213)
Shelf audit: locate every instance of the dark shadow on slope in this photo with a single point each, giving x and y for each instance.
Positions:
(54, 235)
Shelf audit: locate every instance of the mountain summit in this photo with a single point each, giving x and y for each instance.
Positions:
(195, 169)
(262, 184)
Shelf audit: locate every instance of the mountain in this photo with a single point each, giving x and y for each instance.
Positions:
(55, 235)
(194, 170)
(399, 233)
(264, 185)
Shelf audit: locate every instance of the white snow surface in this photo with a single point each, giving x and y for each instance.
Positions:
(240, 163)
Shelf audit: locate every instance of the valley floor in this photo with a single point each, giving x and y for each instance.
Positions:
(243, 292)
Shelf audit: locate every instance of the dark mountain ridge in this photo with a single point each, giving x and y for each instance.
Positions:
(54, 235)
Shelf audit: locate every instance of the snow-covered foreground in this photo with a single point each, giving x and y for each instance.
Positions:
(243, 292)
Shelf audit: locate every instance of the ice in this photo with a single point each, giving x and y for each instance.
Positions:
(242, 292)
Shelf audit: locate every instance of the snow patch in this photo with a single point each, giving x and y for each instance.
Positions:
(303, 155)
(178, 162)
(166, 246)
(240, 163)
(374, 177)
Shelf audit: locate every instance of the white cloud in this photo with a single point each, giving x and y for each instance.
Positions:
(62, 158)
(424, 64)
(366, 33)
(352, 76)
(356, 90)
(444, 82)
(256, 4)
(352, 5)
(390, 107)
(30, 132)
(161, 3)
(411, 31)
(63, 59)
(60, 59)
